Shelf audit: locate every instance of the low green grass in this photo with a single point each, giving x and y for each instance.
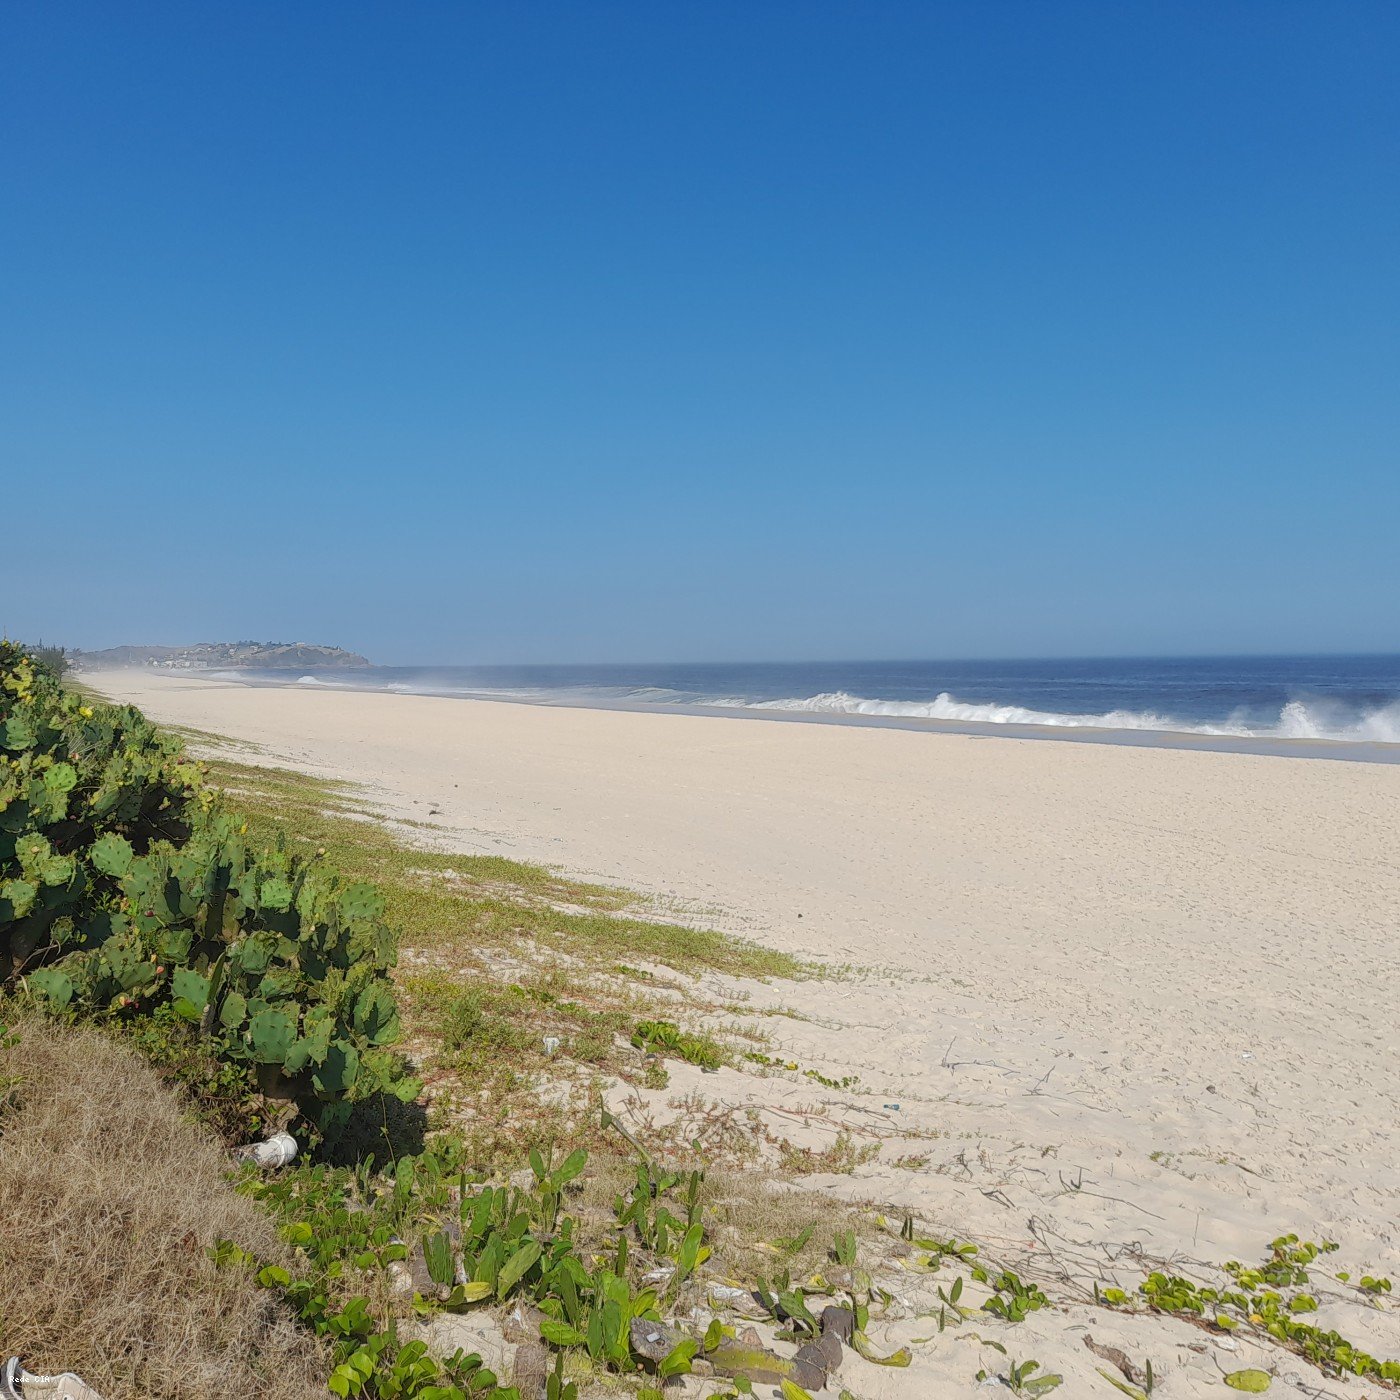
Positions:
(478, 1022)
(448, 901)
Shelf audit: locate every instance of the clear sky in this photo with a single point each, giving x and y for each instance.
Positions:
(495, 332)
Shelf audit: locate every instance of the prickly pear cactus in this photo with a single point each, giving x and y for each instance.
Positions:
(79, 785)
(126, 887)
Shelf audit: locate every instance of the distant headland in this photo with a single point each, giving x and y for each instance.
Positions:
(272, 656)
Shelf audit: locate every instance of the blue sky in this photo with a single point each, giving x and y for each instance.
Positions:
(501, 332)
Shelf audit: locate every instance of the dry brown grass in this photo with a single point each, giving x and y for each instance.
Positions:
(109, 1199)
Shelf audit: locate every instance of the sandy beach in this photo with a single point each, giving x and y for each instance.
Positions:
(1108, 997)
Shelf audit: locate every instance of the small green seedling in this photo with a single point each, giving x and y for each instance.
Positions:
(1020, 1377)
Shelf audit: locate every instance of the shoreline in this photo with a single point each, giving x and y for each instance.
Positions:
(1335, 750)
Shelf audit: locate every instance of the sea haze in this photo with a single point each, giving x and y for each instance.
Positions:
(1348, 699)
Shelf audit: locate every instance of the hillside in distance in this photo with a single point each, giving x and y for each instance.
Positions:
(275, 656)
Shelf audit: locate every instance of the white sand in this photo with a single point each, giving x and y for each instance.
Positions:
(1167, 976)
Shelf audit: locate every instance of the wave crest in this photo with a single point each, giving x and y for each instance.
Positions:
(1298, 719)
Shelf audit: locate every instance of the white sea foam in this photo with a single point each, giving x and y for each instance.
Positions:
(1298, 719)
(1316, 717)
(470, 692)
(1323, 720)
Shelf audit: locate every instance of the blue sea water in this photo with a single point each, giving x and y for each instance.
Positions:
(1285, 698)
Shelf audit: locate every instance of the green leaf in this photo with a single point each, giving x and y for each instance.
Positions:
(61, 779)
(54, 986)
(271, 1034)
(274, 1276)
(58, 870)
(862, 1344)
(437, 1255)
(560, 1334)
(111, 854)
(376, 1017)
(571, 1166)
(33, 850)
(340, 1070)
(677, 1360)
(1254, 1381)
(17, 733)
(298, 1056)
(275, 894)
(792, 1391)
(234, 1011)
(795, 1244)
(688, 1255)
(20, 895)
(253, 954)
(795, 1306)
(191, 986)
(1120, 1384)
(361, 902)
(465, 1293)
(516, 1267)
(175, 944)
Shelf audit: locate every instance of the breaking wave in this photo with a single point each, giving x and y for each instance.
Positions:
(1298, 719)
(1305, 716)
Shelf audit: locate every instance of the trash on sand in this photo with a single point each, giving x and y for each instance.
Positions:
(551, 1044)
(725, 1295)
(18, 1384)
(277, 1151)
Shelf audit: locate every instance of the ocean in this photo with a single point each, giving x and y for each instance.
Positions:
(1276, 699)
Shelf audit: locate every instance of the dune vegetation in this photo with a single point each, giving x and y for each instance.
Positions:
(218, 943)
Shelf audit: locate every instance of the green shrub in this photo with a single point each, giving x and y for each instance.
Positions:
(71, 774)
(477, 1027)
(125, 888)
(666, 1038)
